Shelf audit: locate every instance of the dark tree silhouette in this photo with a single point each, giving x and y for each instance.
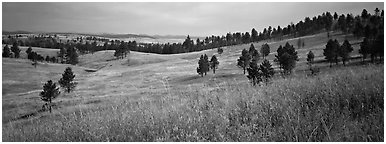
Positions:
(67, 80)
(16, 50)
(214, 63)
(254, 74)
(72, 56)
(244, 59)
(48, 58)
(50, 92)
(331, 51)
(203, 65)
(344, 51)
(220, 50)
(310, 57)
(6, 51)
(266, 70)
(29, 50)
(254, 36)
(265, 50)
(287, 57)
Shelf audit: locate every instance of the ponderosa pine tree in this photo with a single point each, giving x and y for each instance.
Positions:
(266, 70)
(214, 63)
(50, 92)
(48, 58)
(377, 48)
(67, 80)
(253, 53)
(254, 74)
(203, 65)
(62, 54)
(265, 50)
(244, 59)
(29, 50)
(72, 55)
(6, 51)
(251, 49)
(16, 50)
(220, 50)
(310, 57)
(254, 35)
(287, 57)
(331, 51)
(206, 64)
(344, 51)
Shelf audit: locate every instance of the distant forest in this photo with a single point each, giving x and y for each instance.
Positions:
(364, 25)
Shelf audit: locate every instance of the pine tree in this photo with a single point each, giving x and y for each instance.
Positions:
(72, 55)
(50, 92)
(16, 50)
(244, 59)
(48, 58)
(287, 57)
(331, 51)
(67, 80)
(206, 64)
(252, 50)
(214, 63)
(29, 50)
(254, 74)
(6, 51)
(310, 57)
(254, 35)
(253, 53)
(266, 70)
(377, 48)
(220, 50)
(62, 54)
(345, 50)
(201, 69)
(265, 50)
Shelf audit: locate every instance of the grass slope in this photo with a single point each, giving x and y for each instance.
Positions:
(345, 104)
(152, 97)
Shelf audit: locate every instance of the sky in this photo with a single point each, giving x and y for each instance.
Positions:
(172, 18)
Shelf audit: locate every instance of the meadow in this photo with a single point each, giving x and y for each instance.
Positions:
(152, 97)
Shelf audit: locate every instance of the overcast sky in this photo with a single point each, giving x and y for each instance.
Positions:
(198, 19)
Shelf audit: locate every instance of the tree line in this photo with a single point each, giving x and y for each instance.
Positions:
(324, 22)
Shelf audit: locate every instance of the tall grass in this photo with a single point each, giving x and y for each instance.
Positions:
(341, 105)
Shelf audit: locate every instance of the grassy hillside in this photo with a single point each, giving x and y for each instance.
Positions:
(321, 108)
(152, 97)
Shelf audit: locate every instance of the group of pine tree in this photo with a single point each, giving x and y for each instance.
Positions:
(368, 26)
(51, 91)
(286, 58)
(204, 65)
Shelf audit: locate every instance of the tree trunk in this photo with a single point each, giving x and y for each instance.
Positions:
(214, 70)
(244, 69)
(49, 106)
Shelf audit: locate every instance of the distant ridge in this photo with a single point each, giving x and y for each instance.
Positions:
(16, 32)
(108, 35)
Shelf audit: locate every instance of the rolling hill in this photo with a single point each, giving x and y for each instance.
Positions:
(136, 98)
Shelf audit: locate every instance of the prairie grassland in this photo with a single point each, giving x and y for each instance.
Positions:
(341, 104)
(152, 97)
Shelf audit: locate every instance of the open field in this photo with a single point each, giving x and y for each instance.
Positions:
(152, 97)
